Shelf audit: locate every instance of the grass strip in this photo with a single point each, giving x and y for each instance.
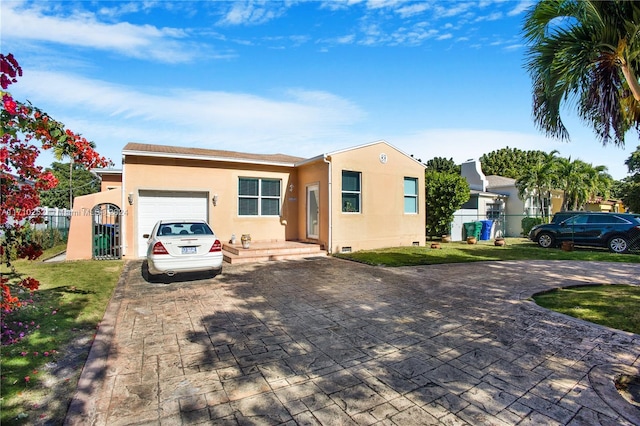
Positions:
(614, 306)
(461, 252)
(40, 372)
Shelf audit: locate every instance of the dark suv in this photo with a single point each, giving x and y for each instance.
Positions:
(617, 231)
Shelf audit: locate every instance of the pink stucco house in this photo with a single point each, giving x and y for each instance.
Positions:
(364, 197)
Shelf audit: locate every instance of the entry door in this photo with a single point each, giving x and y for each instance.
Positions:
(313, 211)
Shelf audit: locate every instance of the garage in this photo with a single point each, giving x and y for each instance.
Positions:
(167, 205)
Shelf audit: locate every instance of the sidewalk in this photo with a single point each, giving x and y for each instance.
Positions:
(332, 342)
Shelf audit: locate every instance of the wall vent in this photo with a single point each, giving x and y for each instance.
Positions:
(345, 250)
(415, 243)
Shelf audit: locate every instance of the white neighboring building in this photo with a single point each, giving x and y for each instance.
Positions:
(493, 198)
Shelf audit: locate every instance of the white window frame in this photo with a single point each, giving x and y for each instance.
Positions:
(413, 196)
(349, 192)
(259, 197)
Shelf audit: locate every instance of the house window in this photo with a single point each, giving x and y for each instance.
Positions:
(258, 197)
(471, 204)
(494, 211)
(351, 194)
(410, 195)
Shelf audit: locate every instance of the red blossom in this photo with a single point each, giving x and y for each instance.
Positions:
(8, 302)
(47, 181)
(30, 283)
(22, 128)
(30, 251)
(9, 104)
(9, 70)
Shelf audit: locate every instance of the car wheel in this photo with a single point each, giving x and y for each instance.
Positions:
(148, 277)
(618, 244)
(546, 240)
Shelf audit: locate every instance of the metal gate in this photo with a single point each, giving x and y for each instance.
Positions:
(106, 232)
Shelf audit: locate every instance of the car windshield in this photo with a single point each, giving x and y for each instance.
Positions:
(184, 228)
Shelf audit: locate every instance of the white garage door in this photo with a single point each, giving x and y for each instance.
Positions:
(171, 205)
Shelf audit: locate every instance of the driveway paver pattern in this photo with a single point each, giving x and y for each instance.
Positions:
(329, 342)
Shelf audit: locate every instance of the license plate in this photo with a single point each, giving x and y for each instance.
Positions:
(189, 250)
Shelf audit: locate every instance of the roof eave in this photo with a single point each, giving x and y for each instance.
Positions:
(207, 158)
(311, 160)
(329, 154)
(488, 193)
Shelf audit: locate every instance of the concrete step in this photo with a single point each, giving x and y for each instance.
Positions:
(270, 251)
(235, 259)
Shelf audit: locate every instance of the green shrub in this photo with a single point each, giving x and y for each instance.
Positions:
(48, 238)
(530, 222)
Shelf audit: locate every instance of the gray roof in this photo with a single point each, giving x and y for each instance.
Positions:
(495, 181)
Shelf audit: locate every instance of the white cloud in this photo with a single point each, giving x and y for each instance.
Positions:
(413, 9)
(451, 9)
(521, 7)
(117, 9)
(347, 39)
(464, 144)
(308, 109)
(380, 4)
(490, 17)
(252, 13)
(516, 46)
(296, 121)
(85, 31)
(403, 22)
(339, 5)
(291, 122)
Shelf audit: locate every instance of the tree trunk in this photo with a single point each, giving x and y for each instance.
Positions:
(70, 183)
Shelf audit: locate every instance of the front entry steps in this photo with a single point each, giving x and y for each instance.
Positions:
(269, 251)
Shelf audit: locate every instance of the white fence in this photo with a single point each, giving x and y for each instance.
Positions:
(54, 218)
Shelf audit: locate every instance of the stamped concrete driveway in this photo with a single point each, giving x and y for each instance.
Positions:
(331, 342)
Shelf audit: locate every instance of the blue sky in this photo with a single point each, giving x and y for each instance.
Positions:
(434, 79)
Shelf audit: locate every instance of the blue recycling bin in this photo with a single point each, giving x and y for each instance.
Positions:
(486, 229)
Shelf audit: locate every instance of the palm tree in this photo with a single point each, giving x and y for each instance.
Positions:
(581, 182)
(587, 52)
(570, 179)
(72, 147)
(539, 180)
(600, 182)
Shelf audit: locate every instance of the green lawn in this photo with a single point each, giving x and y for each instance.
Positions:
(615, 306)
(458, 252)
(40, 372)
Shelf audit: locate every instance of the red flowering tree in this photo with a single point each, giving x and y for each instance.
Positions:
(25, 130)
